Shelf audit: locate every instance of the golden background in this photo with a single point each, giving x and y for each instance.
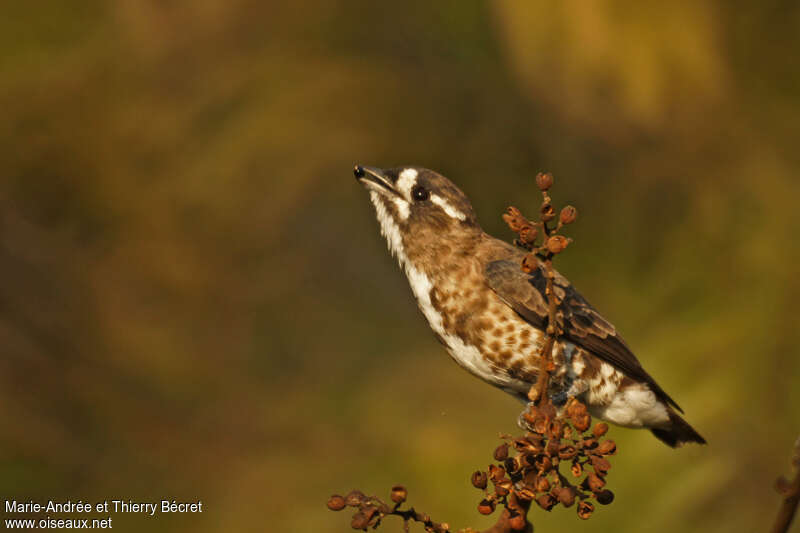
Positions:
(196, 304)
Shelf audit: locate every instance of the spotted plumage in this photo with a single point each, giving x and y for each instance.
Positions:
(490, 315)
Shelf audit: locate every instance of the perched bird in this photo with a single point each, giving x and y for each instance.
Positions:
(491, 315)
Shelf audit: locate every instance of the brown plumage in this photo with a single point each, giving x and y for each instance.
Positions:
(490, 315)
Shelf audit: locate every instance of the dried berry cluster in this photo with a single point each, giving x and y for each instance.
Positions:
(530, 467)
(370, 510)
(541, 238)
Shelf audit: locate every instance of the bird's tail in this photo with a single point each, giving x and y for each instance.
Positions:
(678, 432)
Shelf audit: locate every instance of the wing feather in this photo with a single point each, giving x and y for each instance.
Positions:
(583, 325)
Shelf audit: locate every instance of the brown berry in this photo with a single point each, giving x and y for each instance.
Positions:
(600, 429)
(501, 452)
(479, 479)
(544, 180)
(567, 451)
(546, 501)
(529, 263)
(566, 496)
(399, 494)
(607, 447)
(585, 509)
(336, 503)
(486, 506)
(604, 497)
(556, 244)
(594, 482)
(582, 422)
(576, 469)
(600, 465)
(568, 215)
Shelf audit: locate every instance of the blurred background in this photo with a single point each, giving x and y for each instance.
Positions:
(196, 302)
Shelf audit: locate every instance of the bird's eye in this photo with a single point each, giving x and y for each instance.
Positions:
(420, 193)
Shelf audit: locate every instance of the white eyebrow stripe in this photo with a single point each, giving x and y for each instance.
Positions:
(406, 180)
(451, 211)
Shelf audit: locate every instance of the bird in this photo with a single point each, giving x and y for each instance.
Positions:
(491, 316)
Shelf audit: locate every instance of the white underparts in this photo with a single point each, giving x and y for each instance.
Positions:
(451, 211)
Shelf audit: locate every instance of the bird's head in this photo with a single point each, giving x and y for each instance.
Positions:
(419, 211)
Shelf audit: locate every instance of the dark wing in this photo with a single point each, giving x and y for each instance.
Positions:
(583, 325)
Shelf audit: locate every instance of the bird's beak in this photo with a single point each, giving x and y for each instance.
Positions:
(375, 178)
